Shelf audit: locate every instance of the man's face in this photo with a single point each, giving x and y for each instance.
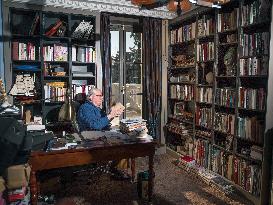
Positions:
(97, 98)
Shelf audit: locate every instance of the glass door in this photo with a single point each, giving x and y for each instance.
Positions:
(126, 73)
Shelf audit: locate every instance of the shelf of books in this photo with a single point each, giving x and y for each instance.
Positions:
(51, 54)
(219, 120)
(181, 80)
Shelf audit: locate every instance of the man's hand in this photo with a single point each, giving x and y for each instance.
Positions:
(115, 113)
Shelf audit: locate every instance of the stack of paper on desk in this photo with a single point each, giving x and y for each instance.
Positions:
(93, 135)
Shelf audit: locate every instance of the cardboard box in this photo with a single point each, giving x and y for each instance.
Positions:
(17, 176)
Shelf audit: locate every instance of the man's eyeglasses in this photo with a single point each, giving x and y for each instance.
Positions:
(99, 95)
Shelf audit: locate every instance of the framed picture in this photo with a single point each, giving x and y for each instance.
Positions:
(179, 108)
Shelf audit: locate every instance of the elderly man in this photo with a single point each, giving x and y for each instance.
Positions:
(91, 117)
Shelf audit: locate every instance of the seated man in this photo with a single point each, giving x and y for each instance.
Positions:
(91, 117)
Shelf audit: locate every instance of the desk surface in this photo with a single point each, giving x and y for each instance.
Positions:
(41, 160)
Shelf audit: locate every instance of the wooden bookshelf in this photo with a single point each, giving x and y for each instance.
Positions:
(247, 77)
(46, 40)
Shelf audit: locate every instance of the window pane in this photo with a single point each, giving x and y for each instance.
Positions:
(133, 90)
(115, 45)
(133, 73)
(133, 47)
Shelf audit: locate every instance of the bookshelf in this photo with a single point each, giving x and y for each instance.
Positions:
(57, 52)
(230, 54)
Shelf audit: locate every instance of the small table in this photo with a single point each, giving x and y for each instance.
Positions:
(40, 160)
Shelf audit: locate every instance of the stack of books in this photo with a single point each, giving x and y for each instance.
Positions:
(129, 125)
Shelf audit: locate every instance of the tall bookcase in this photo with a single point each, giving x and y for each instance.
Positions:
(53, 53)
(220, 59)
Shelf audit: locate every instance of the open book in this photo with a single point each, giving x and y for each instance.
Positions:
(117, 106)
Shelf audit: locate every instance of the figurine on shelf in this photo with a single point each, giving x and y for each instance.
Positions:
(230, 61)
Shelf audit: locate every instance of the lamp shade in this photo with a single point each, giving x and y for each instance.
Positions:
(184, 4)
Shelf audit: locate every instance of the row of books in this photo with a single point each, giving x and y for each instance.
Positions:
(205, 51)
(201, 153)
(55, 52)
(251, 128)
(206, 26)
(203, 117)
(184, 33)
(238, 170)
(55, 91)
(228, 21)
(250, 98)
(254, 44)
(83, 54)
(254, 66)
(225, 97)
(204, 95)
(184, 92)
(224, 122)
(24, 51)
(252, 13)
(76, 89)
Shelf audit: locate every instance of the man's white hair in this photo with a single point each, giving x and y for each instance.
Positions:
(92, 91)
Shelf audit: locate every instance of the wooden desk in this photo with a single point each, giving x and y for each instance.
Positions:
(65, 158)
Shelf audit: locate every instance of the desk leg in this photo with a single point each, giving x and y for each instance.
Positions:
(133, 169)
(151, 177)
(33, 188)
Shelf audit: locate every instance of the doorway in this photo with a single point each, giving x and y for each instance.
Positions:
(127, 68)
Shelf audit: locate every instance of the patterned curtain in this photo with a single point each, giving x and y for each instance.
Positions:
(106, 58)
(152, 52)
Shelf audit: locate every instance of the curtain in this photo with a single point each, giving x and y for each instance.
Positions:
(152, 52)
(1, 43)
(106, 58)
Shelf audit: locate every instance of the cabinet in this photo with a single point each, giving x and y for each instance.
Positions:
(52, 53)
(217, 111)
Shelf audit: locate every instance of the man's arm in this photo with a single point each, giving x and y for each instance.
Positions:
(92, 119)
